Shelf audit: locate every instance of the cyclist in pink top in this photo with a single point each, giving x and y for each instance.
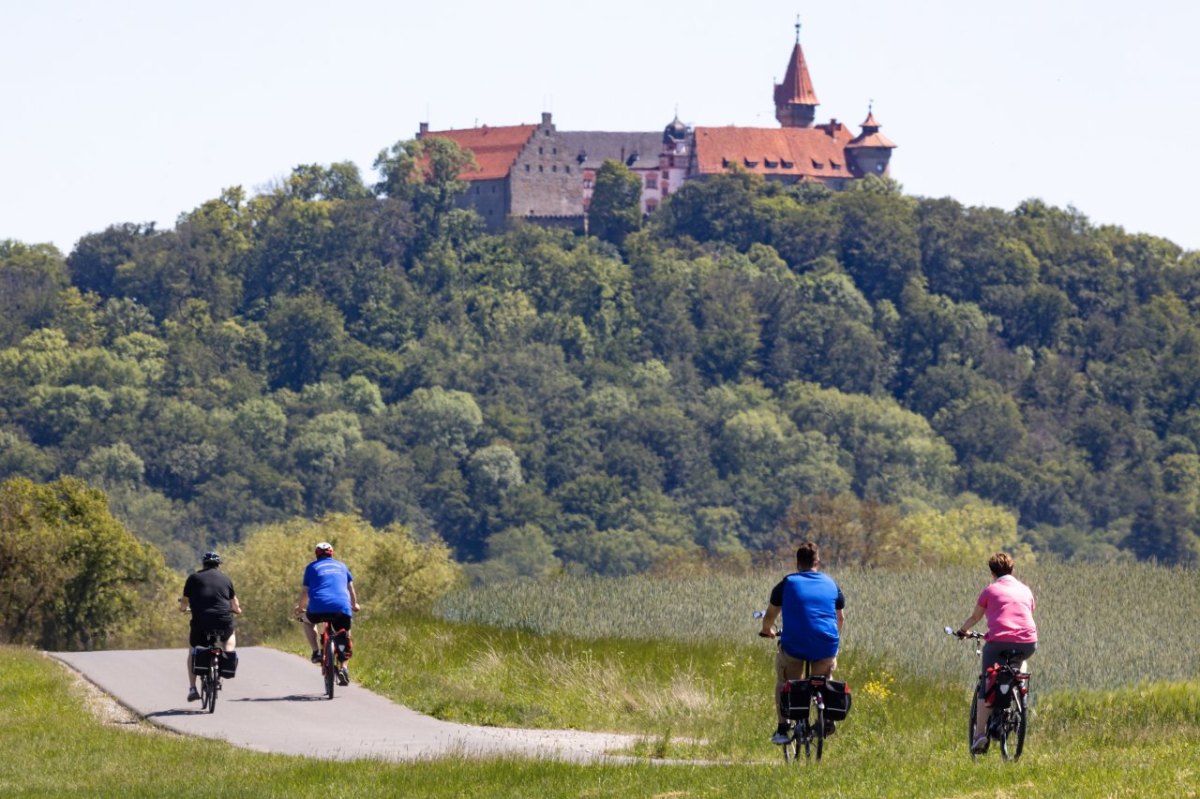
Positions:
(1008, 605)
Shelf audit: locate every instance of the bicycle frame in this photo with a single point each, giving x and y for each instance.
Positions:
(210, 680)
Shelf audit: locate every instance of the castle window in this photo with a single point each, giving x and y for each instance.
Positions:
(540, 151)
(554, 168)
(527, 167)
(665, 174)
(651, 206)
(651, 181)
(554, 150)
(568, 168)
(541, 168)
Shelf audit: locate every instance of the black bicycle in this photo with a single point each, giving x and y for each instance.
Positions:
(206, 662)
(803, 703)
(1005, 688)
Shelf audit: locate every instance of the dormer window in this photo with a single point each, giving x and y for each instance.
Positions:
(817, 164)
(836, 166)
(750, 164)
(788, 164)
(725, 162)
(770, 164)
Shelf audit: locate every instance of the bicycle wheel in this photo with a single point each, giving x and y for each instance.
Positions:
(329, 666)
(819, 731)
(1012, 740)
(208, 692)
(971, 724)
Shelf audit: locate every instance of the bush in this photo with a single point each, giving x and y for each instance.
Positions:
(392, 570)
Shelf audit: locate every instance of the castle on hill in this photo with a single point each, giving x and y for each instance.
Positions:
(544, 175)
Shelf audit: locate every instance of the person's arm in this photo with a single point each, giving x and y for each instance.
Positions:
(841, 619)
(302, 601)
(183, 604)
(353, 597)
(768, 621)
(235, 606)
(972, 620)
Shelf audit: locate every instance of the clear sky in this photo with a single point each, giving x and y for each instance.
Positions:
(137, 111)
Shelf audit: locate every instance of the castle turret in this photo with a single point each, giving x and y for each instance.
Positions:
(870, 151)
(675, 137)
(795, 100)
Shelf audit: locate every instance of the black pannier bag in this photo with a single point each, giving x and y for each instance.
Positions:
(794, 699)
(228, 664)
(201, 659)
(837, 700)
(343, 643)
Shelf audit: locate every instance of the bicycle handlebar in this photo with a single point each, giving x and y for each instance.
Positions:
(969, 634)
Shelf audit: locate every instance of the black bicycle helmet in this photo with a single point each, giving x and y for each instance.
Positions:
(211, 559)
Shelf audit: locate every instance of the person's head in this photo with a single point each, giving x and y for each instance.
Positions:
(808, 556)
(211, 560)
(323, 550)
(1001, 564)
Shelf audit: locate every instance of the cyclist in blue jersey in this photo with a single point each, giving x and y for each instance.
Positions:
(328, 595)
(813, 609)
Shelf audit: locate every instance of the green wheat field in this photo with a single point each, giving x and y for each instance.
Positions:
(1116, 698)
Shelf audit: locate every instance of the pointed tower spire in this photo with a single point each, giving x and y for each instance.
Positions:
(870, 151)
(795, 100)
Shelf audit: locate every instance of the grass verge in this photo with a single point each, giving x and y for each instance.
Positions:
(56, 748)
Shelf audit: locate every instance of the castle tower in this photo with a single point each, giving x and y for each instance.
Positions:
(870, 151)
(675, 137)
(795, 100)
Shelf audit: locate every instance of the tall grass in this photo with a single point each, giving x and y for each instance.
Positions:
(1099, 626)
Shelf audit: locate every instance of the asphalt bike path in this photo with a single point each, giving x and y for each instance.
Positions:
(277, 704)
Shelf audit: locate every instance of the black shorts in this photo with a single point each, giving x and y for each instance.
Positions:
(198, 636)
(340, 620)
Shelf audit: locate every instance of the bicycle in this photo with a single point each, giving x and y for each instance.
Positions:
(209, 673)
(803, 701)
(333, 655)
(1005, 687)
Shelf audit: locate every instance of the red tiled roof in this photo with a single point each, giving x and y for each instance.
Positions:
(797, 87)
(870, 136)
(495, 149)
(796, 152)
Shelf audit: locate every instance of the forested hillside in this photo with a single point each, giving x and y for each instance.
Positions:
(894, 374)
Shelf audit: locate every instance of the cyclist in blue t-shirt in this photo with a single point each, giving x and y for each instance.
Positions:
(328, 595)
(813, 609)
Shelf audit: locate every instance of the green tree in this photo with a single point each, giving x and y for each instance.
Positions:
(31, 279)
(70, 574)
(615, 209)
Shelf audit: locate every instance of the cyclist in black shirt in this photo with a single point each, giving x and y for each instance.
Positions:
(209, 594)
